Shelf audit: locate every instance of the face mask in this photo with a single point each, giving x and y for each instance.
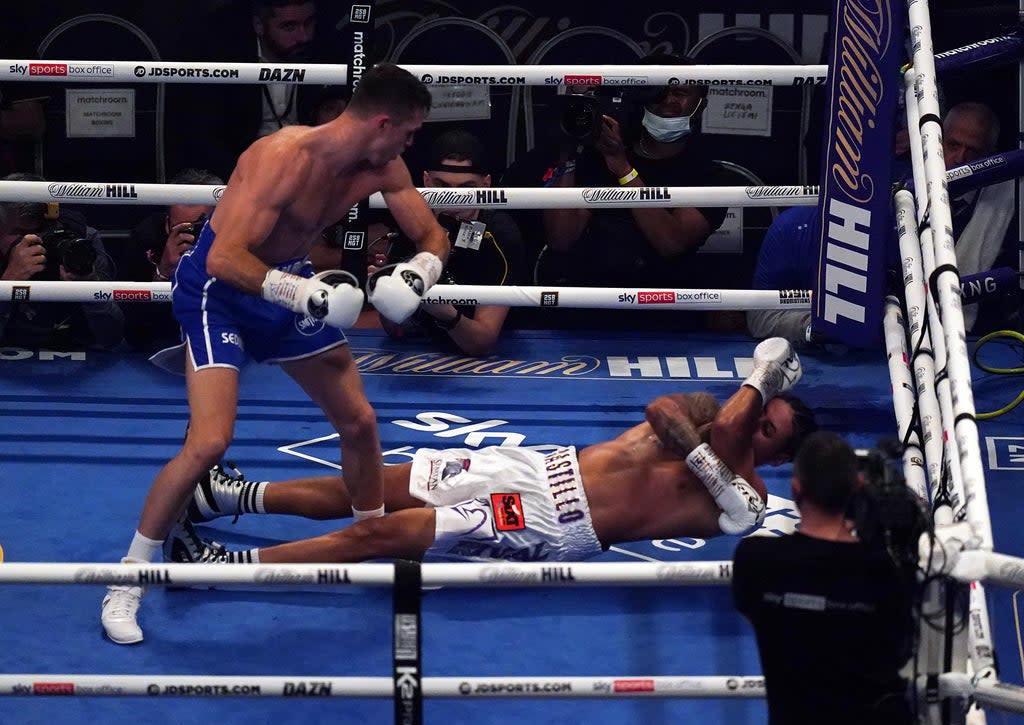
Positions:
(667, 130)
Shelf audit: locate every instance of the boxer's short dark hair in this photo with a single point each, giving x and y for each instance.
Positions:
(390, 89)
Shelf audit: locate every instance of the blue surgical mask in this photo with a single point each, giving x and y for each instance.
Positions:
(667, 130)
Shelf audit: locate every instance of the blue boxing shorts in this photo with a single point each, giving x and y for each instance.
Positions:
(221, 324)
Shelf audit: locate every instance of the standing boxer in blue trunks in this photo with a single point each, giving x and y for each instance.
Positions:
(247, 288)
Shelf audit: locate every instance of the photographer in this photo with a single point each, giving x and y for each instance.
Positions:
(832, 609)
(486, 249)
(151, 254)
(41, 242)
(648, 138)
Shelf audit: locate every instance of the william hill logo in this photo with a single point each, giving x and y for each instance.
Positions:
(614, 195)
(654, 193)
(491, 196)
(464, 197)
(121, 191)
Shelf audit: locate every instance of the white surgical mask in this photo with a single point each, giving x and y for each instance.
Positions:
(667, 130)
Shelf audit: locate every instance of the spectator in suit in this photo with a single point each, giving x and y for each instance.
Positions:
(981, 228)
(224, 119)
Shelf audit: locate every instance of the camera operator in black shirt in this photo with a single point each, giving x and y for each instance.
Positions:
(45, 242)
(832, 605)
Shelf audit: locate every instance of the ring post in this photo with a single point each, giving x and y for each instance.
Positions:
(854, 209)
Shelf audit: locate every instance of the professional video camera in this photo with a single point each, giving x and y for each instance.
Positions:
(580, 117)
(886, 513)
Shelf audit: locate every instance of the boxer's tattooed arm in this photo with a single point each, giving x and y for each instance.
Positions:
(672, 424)
(703, 408)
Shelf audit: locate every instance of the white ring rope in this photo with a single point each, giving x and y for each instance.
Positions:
(921, 358)
(931, 319)
(607, 686)
(146, 71)
(947, 281)
(903, 398)
(499, 574)
(149, 71)
(102, 192)
(987, 691)
(603, 298)
(605, 197)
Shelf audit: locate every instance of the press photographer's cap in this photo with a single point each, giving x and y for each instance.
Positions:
(458, 145)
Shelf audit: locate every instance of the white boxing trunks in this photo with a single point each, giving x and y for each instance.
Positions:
(505, 503)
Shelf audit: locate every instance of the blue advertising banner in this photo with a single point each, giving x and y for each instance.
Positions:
(855, 209)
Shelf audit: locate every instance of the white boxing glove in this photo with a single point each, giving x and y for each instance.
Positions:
(743, 509)
(332, 296)
(397, 289)
(776, 368)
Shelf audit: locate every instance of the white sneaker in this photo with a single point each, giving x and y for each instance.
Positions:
(118, 614)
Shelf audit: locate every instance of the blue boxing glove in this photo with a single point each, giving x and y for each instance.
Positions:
(332, 296)
(397, 289)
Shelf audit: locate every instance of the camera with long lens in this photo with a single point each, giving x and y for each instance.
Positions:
(580, 117)
(886, 513)
(66, 248)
